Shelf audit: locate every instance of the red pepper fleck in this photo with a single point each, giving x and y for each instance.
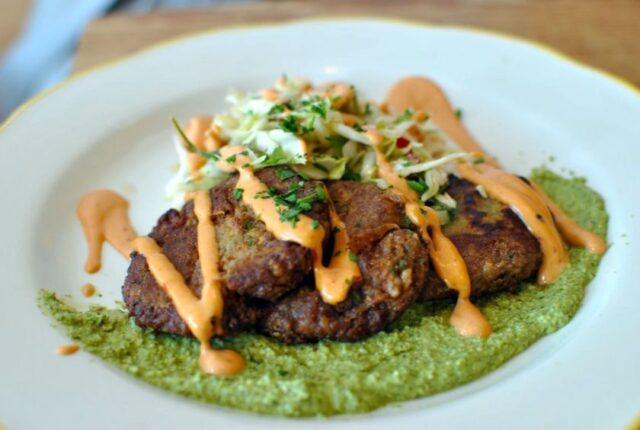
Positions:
(401, 142)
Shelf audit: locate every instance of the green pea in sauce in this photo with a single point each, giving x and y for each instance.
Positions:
(417, 356)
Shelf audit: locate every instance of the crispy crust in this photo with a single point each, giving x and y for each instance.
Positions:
(267, 283)
(393, 262)
(498, 249)
(254, 265)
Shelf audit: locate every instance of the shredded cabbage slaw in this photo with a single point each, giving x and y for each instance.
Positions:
(318, 132)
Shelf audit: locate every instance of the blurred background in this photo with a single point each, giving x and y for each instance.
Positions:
(44, 41)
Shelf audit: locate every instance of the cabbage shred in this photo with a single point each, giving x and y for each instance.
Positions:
(318, 133)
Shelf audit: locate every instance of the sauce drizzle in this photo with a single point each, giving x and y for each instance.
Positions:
(423, 94)
(333, 281)
(572, 233)
(447, 261)
(419, 93)
(203, 316)
(88, 290)
(103, 215)
(529, 207)
(67, 349)
(203, 133)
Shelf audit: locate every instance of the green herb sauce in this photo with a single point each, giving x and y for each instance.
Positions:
(418, 356)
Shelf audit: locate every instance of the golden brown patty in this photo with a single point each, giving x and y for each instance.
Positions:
(254, 265)
(393, 262)
(268, 282)
(498, 249)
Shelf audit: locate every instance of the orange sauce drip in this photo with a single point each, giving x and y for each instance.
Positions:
(333, 281)
(529, 207)
(447, 261)
(571, 232)
(103, 215)
(204, 315)
(423, 94)
(204, 134)
(88, 290)
(67, 349)
(419, 93)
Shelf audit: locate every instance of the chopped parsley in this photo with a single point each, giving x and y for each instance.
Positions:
(278, 156)
(290, 124)
(237, 193)
(418, 185)
(315, 224)
(353, 257)
(337, 142)
(319, 108)
(459, 113)
(276, 109)
(210, 155)
(284, 173)
(231, 159)
(321, 193)
(290, 205)
(406, 116)
(351, 175)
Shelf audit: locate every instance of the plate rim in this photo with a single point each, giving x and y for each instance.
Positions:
(611, 77)
(170, 44)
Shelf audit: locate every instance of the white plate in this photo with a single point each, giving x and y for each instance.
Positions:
(110, 128)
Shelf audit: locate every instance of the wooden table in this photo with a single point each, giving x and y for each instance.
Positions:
(602, 33)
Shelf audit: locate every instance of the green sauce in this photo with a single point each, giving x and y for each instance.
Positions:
(418, 356)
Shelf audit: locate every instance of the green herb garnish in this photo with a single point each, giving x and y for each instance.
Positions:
(237, 193)
(284, 173)
(276, 109)
(210, 155)
(418, 185)
(290, 124)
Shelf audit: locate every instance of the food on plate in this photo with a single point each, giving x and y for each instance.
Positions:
(497, 248)
(319, 239)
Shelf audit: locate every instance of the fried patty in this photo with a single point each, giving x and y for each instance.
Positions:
(269, 284)
(496, 246)
(254, 265)
(393, 262)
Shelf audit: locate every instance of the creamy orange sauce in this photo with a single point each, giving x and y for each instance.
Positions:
(419, 93)
(333, 281)
(104, 217)
(446, 259)
(423, 94)
(202, 315)
(196, 133)
(339, 93)
(529, 207)
(88, 290)
(571, 232)
(67, 349)
(205, 135)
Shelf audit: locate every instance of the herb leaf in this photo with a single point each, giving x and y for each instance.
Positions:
(211, 155)
(237, 193)
(284, 173)
(290, 124)
(418, 185)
